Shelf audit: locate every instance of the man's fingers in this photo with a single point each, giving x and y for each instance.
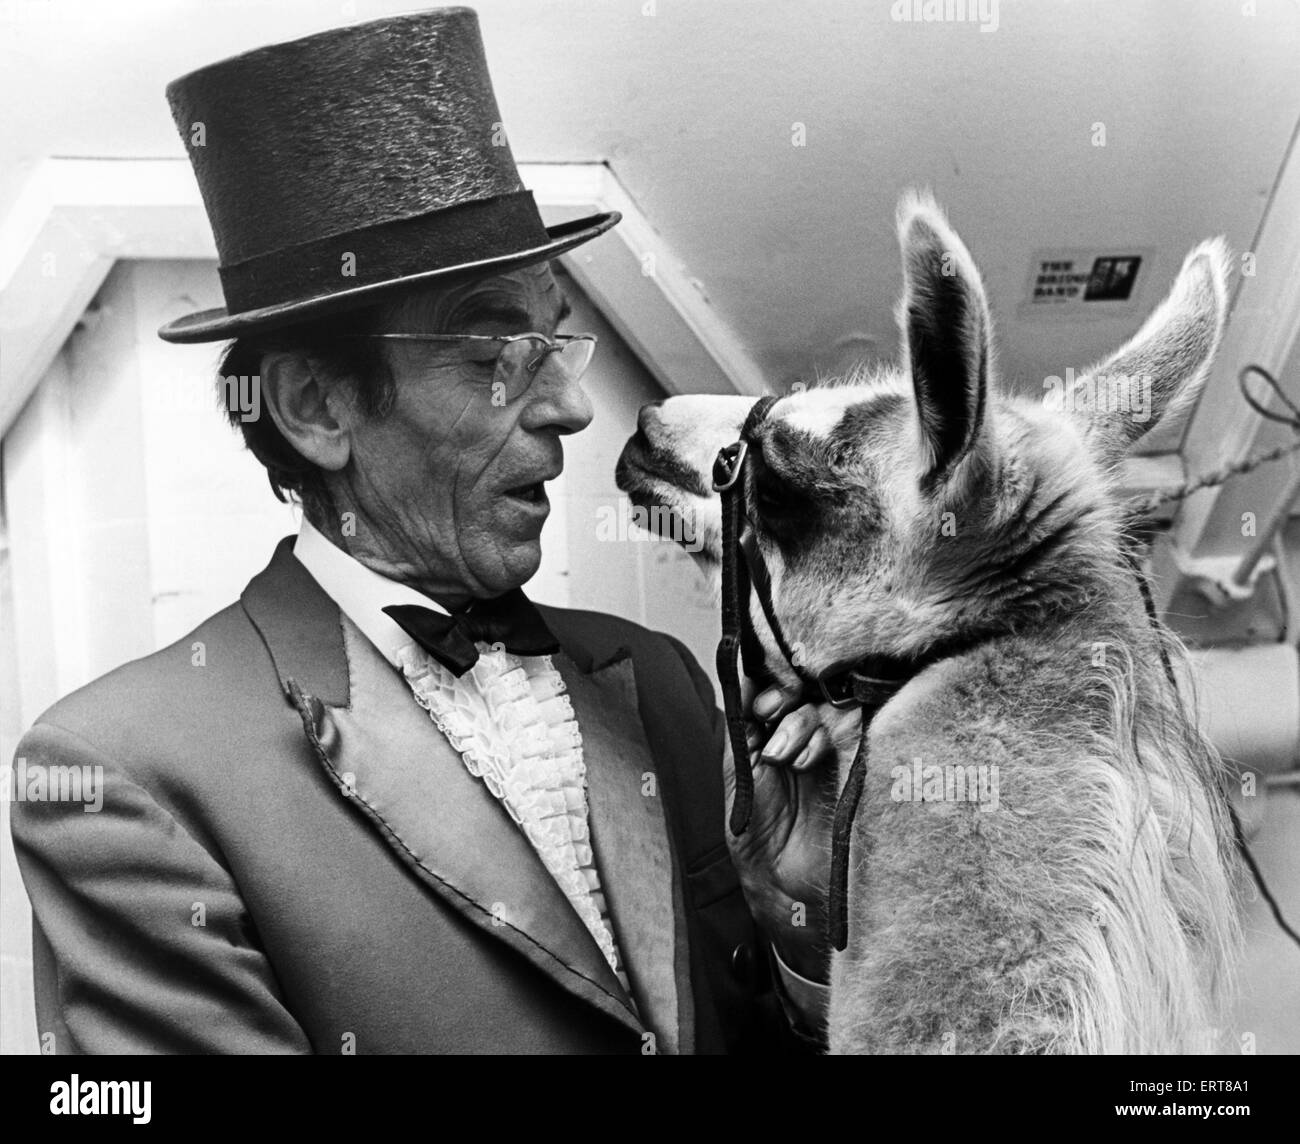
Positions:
(775, 702)
(746, 692)
(792, 735)
(820, 750)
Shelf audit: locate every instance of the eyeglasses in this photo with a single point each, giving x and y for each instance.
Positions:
(516, 358)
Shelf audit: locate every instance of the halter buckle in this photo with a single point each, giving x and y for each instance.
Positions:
(838, 690)
(728, 465)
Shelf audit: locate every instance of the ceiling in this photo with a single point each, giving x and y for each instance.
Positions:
(695, 106)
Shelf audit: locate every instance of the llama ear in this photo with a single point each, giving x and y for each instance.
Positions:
(1160, 370)
(946, 335)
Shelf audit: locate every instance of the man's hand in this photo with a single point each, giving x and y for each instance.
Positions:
(783, 857)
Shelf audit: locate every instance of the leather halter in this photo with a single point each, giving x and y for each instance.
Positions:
(867, 683)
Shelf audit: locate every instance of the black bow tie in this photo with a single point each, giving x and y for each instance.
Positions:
(511, 620)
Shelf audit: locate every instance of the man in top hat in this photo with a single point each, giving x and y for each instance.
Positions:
(393, 806)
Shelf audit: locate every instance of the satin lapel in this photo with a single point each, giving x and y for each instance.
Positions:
(299, 624)
(387, 758)
(633, 853)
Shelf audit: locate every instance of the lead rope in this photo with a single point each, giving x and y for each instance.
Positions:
(742, 804)
(846, 810)
(729, 482)
(870, 693)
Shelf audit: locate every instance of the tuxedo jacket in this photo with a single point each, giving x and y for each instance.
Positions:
(291, 858)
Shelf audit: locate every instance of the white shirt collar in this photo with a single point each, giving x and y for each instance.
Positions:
(360, 593)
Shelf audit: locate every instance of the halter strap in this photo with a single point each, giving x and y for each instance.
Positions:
(737, 637)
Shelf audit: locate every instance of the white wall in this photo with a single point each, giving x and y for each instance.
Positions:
(132, 512)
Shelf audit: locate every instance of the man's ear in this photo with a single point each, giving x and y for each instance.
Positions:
(306, 408)
(946, 335)
(1160, 370)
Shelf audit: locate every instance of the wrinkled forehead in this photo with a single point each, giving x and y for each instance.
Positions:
(517, 301)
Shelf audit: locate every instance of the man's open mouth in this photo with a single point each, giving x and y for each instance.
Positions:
(533, 494)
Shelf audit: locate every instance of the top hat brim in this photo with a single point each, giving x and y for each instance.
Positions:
(219, 324)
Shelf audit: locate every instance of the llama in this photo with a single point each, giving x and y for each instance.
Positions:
(1081, 899)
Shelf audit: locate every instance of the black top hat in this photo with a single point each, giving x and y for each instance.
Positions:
(346, 164)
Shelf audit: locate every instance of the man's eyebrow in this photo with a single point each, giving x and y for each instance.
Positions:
(485, 310)
(475, 310)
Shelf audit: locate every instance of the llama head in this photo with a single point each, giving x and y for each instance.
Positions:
(903, 507)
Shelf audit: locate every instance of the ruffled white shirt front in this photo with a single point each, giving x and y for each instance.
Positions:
(508, 717)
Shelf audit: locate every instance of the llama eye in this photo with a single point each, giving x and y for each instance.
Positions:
(769, 495)
(778, 504)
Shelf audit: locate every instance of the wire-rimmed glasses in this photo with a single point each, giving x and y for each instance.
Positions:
(520, 358)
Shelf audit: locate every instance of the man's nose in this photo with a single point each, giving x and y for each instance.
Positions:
(558, 401)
